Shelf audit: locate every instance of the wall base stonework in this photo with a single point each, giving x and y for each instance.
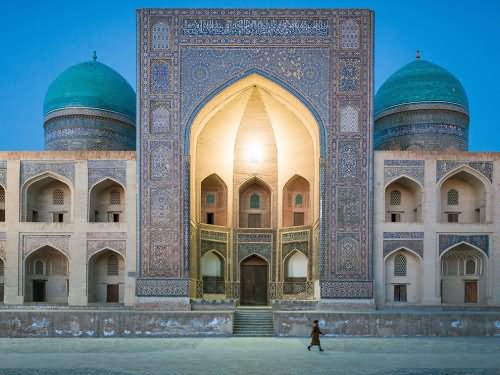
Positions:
(124, 322)
(113, 323)
(381, 323)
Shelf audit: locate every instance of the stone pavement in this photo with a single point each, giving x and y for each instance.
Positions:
(275, 356)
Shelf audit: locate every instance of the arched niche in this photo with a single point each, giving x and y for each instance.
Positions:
(463, 197)
(463, 275)
(403, 277)
(212, 271)
(296, 203)
(46, 276)
(403, 201)
(106, 277)
(255, 204)
(295, 273)
(213, 201)
(107, 202)
(48, 199)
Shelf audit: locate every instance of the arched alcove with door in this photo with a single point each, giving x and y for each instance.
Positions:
(46, 276)
(403, 277)
(47, 198)
(463, 275)
(107, 202)
(463, 197)
(403, 201)
(106, 277)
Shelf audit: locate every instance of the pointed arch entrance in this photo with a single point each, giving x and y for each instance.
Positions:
(255, 136)
(254, 281)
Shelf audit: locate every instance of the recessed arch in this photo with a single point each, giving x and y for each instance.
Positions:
(407, 207)
(255, 204)
(213, 202)
(106, 276)
(296, 202)
(52, 285)
(471, 189)
(107, 201)
(403, 276)
(461, 281)
(37, 199)
(213, 265)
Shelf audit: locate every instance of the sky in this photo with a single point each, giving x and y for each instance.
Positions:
(40, 39)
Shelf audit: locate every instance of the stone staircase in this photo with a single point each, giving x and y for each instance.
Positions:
(253, 322)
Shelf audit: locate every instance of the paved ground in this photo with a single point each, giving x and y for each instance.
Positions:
(275, 356)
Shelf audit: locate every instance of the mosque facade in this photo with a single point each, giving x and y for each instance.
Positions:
(253, 166)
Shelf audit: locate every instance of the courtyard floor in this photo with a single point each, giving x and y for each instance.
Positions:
(275, 356)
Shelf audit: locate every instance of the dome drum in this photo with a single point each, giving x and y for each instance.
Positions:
(422, 127)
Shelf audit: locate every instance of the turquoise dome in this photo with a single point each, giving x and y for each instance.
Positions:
(420, 82)
(91, 85)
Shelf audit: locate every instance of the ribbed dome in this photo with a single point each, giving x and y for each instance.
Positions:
(420, 82)
(91, 85)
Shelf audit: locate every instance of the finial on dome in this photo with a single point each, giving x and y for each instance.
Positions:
(418, 55)
(94, 56)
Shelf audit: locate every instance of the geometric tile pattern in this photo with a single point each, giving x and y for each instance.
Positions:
(300, 50)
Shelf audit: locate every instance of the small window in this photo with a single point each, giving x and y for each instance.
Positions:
(1, 269)
(114, 197)
(2, 195)
(399, 293)
(96, 215)
(400, 265)
(38, 267)
(210, 218)
(210, 199)
(470, 267)
(298, 218)
(452, 197)
(254, 221)
(34, 216)
(395, 217)
(254, 201)
(2, 216)
(299, 200)
(58, 197)
(395, 198)
(58, 217)
(116, 218)
(112, 265)
(453, 217)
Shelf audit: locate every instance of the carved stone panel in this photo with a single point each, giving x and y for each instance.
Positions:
(101, 169)
(31, 242)
(33, 168)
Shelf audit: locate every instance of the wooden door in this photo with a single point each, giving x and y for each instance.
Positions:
(38, 290)
(471, 291)
(253, 282)
(112, 293)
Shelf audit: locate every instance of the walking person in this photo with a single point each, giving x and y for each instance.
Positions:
(315, 336)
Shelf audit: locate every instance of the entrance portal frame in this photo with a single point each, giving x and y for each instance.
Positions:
(324, 58)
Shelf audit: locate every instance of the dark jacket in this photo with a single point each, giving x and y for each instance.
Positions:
(315, 335)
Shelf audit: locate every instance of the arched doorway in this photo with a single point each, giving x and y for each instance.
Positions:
(107, 202)
(463, 278)
(253, 281)
(106, 277)
(47, 276)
